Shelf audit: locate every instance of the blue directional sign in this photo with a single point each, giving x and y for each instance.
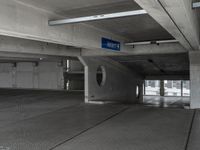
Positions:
(110, 44)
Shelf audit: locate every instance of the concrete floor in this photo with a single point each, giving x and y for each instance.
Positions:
(48, 120)
(165, 102)
(195, 133)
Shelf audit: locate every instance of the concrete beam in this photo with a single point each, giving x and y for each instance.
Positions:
(168, 77)
(186, 19)
(25, 56)
(23, 46)
(16, 47)
(166, 48)
(176, 18)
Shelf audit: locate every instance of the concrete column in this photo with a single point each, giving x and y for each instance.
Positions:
(144, 88)
(14, 75)
(181, 88)
(35, 76)
(195, 79)
(162, 88)
(120, 82)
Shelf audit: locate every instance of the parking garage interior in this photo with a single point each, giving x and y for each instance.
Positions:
(99, 75)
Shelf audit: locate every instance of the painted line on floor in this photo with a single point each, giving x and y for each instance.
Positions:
(112, 116)
(190, 130)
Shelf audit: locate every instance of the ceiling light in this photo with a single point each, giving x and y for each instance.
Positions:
(97, 17)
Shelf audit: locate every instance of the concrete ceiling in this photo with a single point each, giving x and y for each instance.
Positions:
(62, 6)
(137, 28)
(155, 65)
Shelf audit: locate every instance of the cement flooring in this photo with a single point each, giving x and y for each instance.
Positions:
(194, 139)
(56, 120)
(165, 102)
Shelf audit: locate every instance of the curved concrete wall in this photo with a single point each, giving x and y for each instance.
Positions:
(120, 84)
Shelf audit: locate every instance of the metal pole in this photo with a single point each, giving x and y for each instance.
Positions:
(181, 88)
(162, 88)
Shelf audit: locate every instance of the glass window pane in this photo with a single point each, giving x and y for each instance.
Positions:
(186, 88)
(152, 87)
(172, 87)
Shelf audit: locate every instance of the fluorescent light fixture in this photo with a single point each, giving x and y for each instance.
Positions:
(195, 5)
(138, 43)
(167, 41)
(97, 17)
(151, 42)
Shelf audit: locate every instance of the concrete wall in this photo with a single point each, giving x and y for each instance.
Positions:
(6, 75)
(76, 65)
(195, 79)
(120, 84)
(47, 75)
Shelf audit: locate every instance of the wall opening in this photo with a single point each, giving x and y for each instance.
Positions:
(152, 87)
(101, 75)
(175, 88)
(138, 91)
(173, 93)
(73, 75)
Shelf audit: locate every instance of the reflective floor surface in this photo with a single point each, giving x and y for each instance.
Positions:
(164, 102)
(57, 120)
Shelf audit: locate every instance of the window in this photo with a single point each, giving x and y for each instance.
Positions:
(152, 87)
(186, 88)
(172, 88)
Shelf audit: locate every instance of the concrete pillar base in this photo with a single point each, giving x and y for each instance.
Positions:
(195, 79)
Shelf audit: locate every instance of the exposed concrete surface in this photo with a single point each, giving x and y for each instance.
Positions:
(156, 9)
(140, 32)
(138, 128)
(185, 18)
(195, 79)
(17, 105)
(43, 120)
(172, 102)
(162, 65)
(165, 48)
(48, 130)
(195, 133)
(20, 46)
(120, 81)
(22, 20)
(47, 75)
